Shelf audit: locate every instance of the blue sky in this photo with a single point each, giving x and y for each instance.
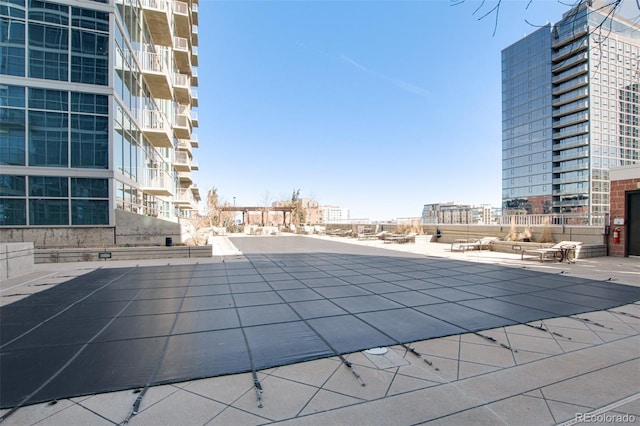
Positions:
(376, 106)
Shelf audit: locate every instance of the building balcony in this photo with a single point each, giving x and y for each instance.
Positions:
(181, 54)
(181, 161)
(181, 22)
(182, 123)
(194, 76)
(194, 119)
(570, 131)
(571, 96)
(568, 63)
(195, 143)
(156, 15)
(568, 120)
(185, 178)
(570, 73)
(569, 50)
(155, 128)
(156, 74)
(194, 165)
(184, 197)
(194, 13)
(572, 167)
(182, 88)
(571, 108)
(569, 35)
(573, 142)
(194, 55)
(157, 182)
(196, 192)
(571, 154)
(194, 35)
(194, 97)
(570, 85)
(184, 145)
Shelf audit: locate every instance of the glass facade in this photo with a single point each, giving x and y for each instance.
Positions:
(81, 130)
(526, 124)
(589, 82)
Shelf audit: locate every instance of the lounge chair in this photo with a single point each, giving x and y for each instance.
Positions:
(558, 251)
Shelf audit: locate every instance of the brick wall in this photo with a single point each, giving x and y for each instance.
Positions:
(618, 209)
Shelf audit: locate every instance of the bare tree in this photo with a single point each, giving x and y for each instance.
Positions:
(488, 9)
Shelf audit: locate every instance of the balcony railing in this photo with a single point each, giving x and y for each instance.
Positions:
(182, 88)
(155, 70)
(577, 219)
(155, 128)
(182, 161)
(157, 181)
(157, 18)
(181, 21)
(181, 54)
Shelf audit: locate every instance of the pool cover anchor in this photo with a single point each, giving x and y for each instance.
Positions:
(588, 321)
(625, 314)
(419, 355)
(542, 328)
(491, 339)
(258, 386)
(355, 373)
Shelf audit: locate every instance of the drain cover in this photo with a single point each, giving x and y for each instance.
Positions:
(376, 351)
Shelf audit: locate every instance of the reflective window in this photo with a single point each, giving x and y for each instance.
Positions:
(89, 188)
(13, 211)
(90, 19)
(12, 50)
(53, 13)
(48, 186)
(14, 8)
(89, 212)
(56, 100)
(89, 103)
(48, 212)
(48, 139)
(89, 57)
(89, 141)
(12, 137)
(48, 52)
(13, 186)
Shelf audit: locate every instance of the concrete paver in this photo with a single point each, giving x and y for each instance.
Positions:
(548, 380)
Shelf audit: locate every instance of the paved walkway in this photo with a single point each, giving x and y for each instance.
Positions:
(581, 367)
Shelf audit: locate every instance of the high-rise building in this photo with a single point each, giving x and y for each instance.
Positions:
(570, 111)
(96, 111)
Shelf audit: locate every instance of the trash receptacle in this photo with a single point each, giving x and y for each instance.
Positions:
(168, 241)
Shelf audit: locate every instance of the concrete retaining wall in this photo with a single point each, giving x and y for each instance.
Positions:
(134, 229)
(15, 259)
(119, 253)
(451, 232)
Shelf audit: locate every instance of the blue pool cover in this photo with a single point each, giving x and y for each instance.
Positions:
(286, 300)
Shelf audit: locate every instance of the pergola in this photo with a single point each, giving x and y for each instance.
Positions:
(245, 211)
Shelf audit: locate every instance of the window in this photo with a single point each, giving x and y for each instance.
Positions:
(12, 137)
(12, 50)
(89, 141)
(48, 52)
(48, 139)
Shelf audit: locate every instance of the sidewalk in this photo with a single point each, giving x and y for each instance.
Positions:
(550, 372)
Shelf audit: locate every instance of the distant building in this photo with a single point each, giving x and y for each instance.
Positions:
(459, 213)
(570, 111)
(335, 214)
